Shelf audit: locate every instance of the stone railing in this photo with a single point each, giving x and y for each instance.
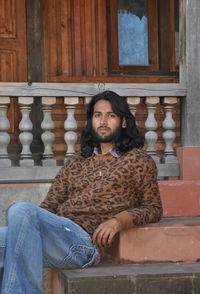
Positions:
(27, 170)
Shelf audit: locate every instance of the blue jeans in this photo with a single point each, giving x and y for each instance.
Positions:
(36, 238)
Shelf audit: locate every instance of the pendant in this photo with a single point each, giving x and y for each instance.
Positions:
(100, 173)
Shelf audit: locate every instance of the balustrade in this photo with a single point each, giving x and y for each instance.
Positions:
(150, 106)
(70, 125)
(169, 125)
(133, 102)
(4, 136)
(25, 126)
(151, 125)
(47, 125)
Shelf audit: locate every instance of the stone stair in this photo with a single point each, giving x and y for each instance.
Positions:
(171, 240)
(160, 278)
(158, 258)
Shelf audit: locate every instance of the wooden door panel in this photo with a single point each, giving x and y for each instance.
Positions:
(74, 40)
(13, 40)
(13, 56)
(7, 19)
(7, 65)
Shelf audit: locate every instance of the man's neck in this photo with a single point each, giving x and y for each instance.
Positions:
(105, 147)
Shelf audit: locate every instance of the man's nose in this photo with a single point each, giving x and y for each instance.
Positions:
(103, 120)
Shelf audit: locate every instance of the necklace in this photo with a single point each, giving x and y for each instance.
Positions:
(100, 172)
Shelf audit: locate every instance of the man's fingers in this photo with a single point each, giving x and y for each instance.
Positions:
(100, 236)
(110, 238)
(105, 233)
(94, 236)
(105, 237)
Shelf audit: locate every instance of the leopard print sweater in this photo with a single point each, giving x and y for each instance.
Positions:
(92, 190)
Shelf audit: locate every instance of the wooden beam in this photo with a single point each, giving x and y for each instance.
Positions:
(34, 41)
(90, 89)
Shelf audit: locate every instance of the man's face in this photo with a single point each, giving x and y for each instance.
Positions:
(106, 124)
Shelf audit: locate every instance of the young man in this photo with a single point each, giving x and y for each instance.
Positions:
(110, 186)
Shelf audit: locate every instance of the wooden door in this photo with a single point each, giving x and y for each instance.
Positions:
(13, 57)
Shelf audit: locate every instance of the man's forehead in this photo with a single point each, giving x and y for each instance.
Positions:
(102, 106)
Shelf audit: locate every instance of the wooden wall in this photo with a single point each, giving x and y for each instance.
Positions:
(74, 40)
(60, 41)
(75, 49)
(76, 46)
(13, 61)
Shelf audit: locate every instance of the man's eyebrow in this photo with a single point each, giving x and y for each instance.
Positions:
(97, 111)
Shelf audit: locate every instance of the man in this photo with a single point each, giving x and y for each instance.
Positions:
(110, 186)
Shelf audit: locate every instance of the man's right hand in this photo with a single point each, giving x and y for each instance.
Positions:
(105, 233)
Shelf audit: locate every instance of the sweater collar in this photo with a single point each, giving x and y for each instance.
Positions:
(112, 151)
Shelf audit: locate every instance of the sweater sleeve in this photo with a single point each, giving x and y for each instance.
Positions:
(57, 193)
(149, 209)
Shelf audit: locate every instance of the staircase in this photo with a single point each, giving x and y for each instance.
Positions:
(158, 258)
(161, 278)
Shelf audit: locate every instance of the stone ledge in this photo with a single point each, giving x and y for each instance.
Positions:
(180, 198)
(170, 240)
(165, 278)
(46, 174)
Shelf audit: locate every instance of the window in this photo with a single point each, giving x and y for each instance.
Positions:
(141, 37)
(133, 32)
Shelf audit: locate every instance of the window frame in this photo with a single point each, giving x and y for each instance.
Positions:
(156, 41)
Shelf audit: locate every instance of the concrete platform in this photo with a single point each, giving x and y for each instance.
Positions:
(172, 239)
(164, 278)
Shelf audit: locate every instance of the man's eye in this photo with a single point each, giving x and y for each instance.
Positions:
(97, 115)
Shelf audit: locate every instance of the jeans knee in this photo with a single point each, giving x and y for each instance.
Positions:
(20, 209)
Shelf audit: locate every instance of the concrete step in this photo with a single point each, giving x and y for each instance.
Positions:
(172, 239)
(164, 278)
(179, 198)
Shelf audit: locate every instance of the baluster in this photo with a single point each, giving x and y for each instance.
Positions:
(169, 125)
(4, 136)
(47, 136)
(70, 125)
(87, 100)
(133, 102)
(26, 127)
(151, 126)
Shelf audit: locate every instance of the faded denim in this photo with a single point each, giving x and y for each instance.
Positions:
(36, 238)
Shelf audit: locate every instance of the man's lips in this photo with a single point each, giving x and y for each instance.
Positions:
(103, 130)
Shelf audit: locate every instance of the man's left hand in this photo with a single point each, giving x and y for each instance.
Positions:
(105, 232)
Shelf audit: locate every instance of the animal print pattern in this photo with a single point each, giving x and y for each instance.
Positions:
(92, 190)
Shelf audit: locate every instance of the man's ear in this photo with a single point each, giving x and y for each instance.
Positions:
(123, 123)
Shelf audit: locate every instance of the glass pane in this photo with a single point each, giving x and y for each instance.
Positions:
(133, 32)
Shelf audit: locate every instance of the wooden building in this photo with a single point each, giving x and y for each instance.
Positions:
(81, 42)
(56, 54)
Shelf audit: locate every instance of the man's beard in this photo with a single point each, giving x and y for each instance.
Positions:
(113, 137)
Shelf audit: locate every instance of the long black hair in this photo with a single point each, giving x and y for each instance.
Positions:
(130, 136)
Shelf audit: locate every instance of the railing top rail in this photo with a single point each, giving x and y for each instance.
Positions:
(90, 89)
(39, 174)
